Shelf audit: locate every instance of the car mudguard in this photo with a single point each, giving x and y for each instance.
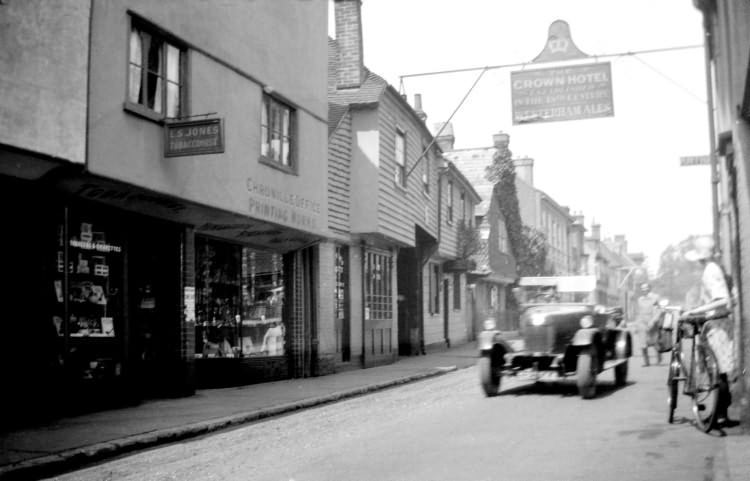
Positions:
(585, 337)
(489, 339)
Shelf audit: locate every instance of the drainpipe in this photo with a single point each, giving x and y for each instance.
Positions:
(711, 125)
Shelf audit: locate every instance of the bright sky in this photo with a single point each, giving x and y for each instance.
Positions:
(622, 171)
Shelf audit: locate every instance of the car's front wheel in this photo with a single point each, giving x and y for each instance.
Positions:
(489, 376)
(586, 373)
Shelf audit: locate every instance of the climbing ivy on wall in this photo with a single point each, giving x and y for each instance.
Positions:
(527, 244)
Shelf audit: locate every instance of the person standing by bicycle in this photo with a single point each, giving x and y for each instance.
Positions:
(716, 299)
(646, 322)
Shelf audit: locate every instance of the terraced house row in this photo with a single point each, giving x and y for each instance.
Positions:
(192, 203)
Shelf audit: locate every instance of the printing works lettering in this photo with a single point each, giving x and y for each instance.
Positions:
(288, 198)
(280, 214)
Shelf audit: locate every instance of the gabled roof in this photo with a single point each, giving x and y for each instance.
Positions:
(472, 163)
(368, 94)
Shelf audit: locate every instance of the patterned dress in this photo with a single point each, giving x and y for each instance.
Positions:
(720, 331)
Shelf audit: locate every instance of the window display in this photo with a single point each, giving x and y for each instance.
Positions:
(94, 277)
(239, 301)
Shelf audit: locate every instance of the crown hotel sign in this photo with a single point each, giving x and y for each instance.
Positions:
(561, 93)
(195, 137)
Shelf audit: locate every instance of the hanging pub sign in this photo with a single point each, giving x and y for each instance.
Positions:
(195, 137)
(561, 93)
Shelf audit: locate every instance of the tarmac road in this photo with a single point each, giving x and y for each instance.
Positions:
(444, 428)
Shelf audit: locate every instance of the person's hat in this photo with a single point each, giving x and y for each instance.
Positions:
(703, 248)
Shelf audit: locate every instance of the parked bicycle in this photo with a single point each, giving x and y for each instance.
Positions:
(697, 367)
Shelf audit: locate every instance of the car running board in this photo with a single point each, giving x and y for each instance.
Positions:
(613, 362)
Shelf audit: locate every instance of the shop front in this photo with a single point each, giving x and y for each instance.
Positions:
(92, 296)
(240, 319)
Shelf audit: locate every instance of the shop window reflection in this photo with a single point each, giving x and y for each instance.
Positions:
(239, 301)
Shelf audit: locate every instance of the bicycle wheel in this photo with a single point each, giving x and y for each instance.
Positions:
(672, 381)
(705, 396)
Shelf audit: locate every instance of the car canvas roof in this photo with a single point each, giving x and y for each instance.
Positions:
(561, 283)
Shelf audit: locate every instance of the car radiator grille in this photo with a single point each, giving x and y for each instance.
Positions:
(539, 338)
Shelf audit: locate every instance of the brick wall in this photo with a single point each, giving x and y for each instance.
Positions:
(326, 322)
(187, 329)
(349, 38)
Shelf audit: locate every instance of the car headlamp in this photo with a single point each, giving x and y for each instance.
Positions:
(538, 319)
(587, 322)
(489, 324)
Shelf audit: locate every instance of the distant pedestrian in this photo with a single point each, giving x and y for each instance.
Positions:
(716, 297)
(647, 322)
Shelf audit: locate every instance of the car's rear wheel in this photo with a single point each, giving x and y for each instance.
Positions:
(489, 376)
(621, 374)
(586, 373)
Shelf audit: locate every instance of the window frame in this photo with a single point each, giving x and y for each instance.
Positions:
(267, 103)
(399, 172)
(426, 171)
(183, 110)
(449, 205)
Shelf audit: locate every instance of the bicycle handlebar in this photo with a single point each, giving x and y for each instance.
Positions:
(703, 317)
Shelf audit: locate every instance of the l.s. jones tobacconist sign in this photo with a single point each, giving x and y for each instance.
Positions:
(196, 137)
(562, 93)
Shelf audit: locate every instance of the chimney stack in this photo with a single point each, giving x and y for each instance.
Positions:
(525, 169)
(500, 140)
(445, 139)
(348, 14)
(418, 107)
(596, 231)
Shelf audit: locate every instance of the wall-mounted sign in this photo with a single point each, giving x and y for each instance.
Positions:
(562, 93)
(195, 137)
(695, 160)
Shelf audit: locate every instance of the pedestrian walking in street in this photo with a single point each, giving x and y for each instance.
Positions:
(647, 323)
(716, 297)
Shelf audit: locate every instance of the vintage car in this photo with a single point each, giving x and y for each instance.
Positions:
(562, 332)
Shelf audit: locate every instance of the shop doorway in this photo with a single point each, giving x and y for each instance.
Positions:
(154, 285)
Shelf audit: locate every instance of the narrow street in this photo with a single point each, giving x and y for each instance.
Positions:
(446, 429)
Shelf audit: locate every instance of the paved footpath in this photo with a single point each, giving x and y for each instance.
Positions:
(69, 443)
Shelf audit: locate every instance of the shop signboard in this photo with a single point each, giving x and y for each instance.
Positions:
(695, 160)
(195, 137)
(562, 93)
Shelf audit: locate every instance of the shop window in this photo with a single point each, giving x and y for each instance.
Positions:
(239, 301)
(156, 84)
(93, 287)
(277, 133)
(378, 287)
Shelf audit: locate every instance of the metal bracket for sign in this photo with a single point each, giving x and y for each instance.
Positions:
(177, 119)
